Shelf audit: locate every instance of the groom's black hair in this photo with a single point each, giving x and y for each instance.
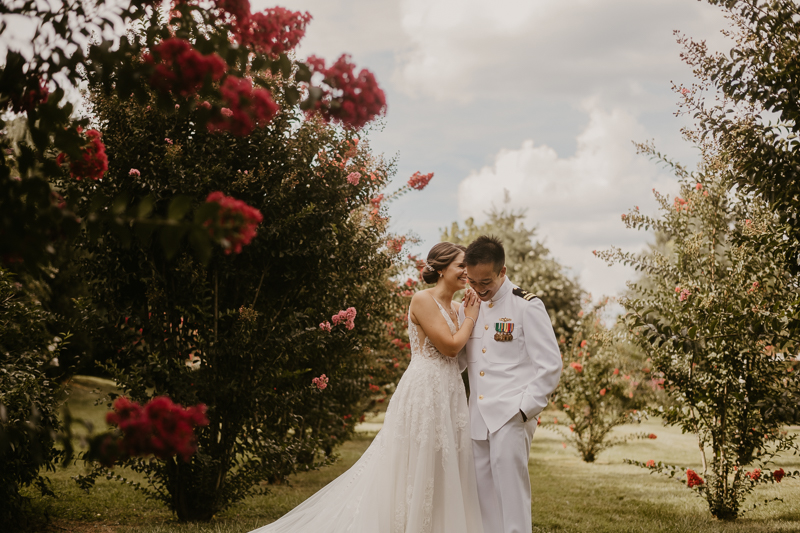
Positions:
(486, 249)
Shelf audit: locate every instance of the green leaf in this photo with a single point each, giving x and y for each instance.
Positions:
(178, 207)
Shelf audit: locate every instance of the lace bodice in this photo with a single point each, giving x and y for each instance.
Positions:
(426, 348)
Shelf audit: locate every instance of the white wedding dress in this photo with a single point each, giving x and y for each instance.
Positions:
(418, 475)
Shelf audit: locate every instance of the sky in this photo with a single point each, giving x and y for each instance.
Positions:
(526, 105)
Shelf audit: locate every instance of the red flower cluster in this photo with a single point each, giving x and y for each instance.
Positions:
(93, 162)
(778, 474)
(374, 388)
(181, 68)
(680, 203)
(652, 436)
(755, 475)
(419, 181)
(321, 382)
(395, 245)
(246, 107)
(347, 317)
(577, 367)
(353, 100)
(274, 31)
(692, 479)
(353, 178)
(376, 202)
(650, 464)
(325, 326)
(35, 92)
(160, 428)
(236, 222)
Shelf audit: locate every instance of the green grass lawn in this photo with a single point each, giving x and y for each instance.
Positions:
(568, 494)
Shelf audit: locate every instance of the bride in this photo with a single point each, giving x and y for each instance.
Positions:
(418, 475)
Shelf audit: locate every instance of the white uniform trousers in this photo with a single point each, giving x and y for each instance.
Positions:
(504, 484)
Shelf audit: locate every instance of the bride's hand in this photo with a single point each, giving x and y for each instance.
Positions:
(472, 305)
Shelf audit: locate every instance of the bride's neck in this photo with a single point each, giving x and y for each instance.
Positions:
(443, 293)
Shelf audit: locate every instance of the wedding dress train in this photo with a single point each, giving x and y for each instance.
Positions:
(418, 474)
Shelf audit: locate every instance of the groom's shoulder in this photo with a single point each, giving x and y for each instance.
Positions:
(525, 295)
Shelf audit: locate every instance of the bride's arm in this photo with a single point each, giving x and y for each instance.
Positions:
(426, 314)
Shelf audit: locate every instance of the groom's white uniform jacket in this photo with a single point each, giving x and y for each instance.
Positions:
(506, 377)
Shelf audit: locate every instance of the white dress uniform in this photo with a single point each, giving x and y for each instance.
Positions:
(514, 365)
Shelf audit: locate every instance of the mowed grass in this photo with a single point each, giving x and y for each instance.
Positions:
(568, 494)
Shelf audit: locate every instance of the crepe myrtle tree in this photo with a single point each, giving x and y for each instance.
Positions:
(283, 336)
(198, 60)
(600, 388)
(716, 318)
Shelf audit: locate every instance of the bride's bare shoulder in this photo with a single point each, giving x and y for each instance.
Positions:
(422, 305)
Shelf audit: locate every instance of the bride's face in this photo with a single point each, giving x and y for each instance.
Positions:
(455, 275)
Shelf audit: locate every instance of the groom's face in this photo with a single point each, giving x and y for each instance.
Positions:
(485, 279)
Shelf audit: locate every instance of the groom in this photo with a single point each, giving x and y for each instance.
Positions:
(514, 364)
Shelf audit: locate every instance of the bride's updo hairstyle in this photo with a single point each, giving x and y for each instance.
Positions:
(439, 258)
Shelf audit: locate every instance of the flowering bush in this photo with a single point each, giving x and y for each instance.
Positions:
(592, 395)
(254, 326)
(235, 223)
(713, 316)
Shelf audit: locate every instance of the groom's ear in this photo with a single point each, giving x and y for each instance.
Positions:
(503, 271)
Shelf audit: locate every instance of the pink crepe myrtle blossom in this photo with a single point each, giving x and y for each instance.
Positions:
(353, 178)
(347, 317)
(325, 326)
(321, 382)
(135, 173)
(419, 181)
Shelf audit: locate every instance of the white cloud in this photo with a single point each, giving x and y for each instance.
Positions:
(468, 49)
(575, 201)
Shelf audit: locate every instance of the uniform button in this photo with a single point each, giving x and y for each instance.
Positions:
(486, 326)
(481, 372)
(480, 397)
(484, 350)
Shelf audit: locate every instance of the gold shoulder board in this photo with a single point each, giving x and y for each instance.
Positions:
(525, 295)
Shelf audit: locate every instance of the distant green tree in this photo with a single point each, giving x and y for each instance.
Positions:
(530, 266)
